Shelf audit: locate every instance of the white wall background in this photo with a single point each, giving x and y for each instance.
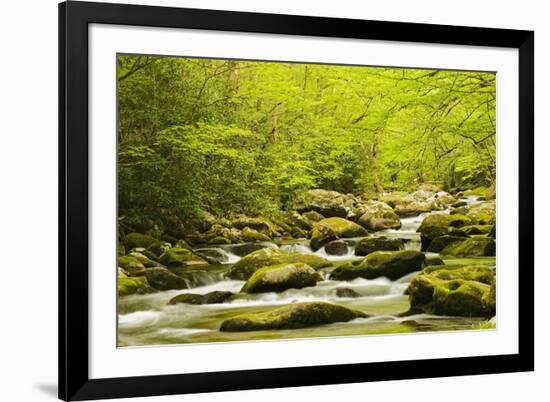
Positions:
(28, 199)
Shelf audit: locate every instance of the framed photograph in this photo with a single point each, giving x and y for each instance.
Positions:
(258, 201)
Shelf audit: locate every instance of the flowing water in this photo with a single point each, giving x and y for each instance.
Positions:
(148, 320)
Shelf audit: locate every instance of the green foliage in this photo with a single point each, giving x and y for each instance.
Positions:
(235, 137)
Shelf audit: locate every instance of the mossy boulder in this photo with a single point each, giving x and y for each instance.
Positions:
(471, 230)
(440, 242)
(146, 261)
(372, 244)
(477, 246)
(390, 264)
(493, 232)
(377, 215)
(251, 235)
(327, 203)
(244, 249)
(213, 255)
(281, 277)
(219, 240)
(180, 257)
(157, 248)
(215, 297)
(330, 229)
(295, 220)
(266, 257)
(298, 315)
(336, 247)
(132, 286)
(463, 291)
(441, 224)
(162, 279)
(136, 240)
(313, 216)
(262, 225)
(483, 213)
(131, 265)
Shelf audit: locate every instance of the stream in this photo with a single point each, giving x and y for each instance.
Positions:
(148, 320)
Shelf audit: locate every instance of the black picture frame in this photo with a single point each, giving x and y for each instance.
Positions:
(74, 18)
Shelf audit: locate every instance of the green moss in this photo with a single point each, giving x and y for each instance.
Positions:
(334, 228)
(131, 265)
(477, 229)
(136, 240)
(266, 257)
(130, 286)
(372, 244)
(163, 279)
(121, 249)
(439, 243)
(299, 315)
(391, 264)
(175, 257)
(281, 277)
(472, 247)
(460, 291)
(219, 240)
(147, 262)
(251, 235)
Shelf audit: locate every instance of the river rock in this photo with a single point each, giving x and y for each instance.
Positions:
(493, 232)
(327, 203)
(336, 247)
(131, 265)
(477, 229)
(181, 257)
(163, 279)
(244, 249)
(483, 213)
(134, 240)
(213, 255)
(266, 257)
(132, 286)
(215, 297)
(462, 291)
(251, 235)
(434, 260)
(278, 278)
(377, 215)
(262, 225)
(157, 248)
(313, 216)
(295, 220)
(372, 244)
(477, 246)
(298, 315)
(440, 224)
(146, 261)
(390, 264)
(330, 229)
(440, 242)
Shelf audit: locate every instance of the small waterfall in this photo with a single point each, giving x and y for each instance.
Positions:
(350, 253)
(297, 248)
(201, 277)
(217, 255)
(469, 199)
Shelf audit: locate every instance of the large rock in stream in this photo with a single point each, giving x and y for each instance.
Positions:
(441, 224)
(180, 257)
(391, 264)
(330, 229)
(467, 291)
(163, 279)
(372, 244)
(266, 257)
(477, 246)
(281, 277)
(134, 286)
(377, 215)
(299, 315)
